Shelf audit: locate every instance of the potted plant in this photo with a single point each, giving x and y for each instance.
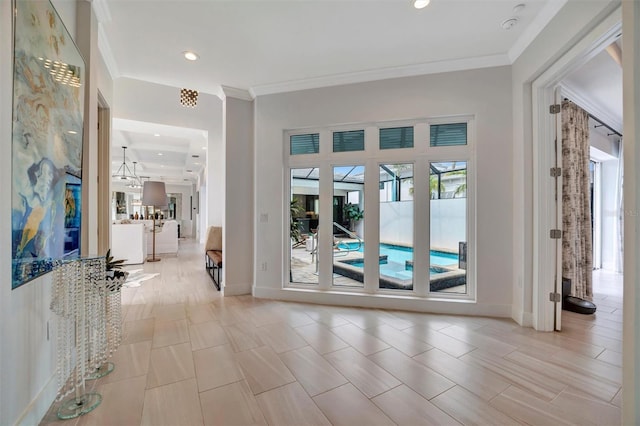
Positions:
(353, 213)
(296, 210)
(114, 276)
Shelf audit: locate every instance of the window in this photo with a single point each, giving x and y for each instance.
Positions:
(397, 137)
(396, 227)
(448, 227)
(303, 226)
(415, 238)
(448, 134)
(304, 144)
(352, 140)
(348, 226)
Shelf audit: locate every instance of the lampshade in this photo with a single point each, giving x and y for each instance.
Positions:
(154, 194)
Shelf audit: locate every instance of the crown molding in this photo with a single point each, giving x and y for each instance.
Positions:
(232, 92)
(535, 28)
(382, 74)
(101, 9)
(105, 49)
(583, 100)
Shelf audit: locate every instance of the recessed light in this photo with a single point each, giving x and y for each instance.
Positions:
(160, 153)
(518, 8)
(421, 4)
(189, 171)
(195, 156)
(507, 24)
(204, 147)
(156, 134)
(191, 56)
(197, 164)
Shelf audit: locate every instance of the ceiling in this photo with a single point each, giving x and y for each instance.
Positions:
(270, 46)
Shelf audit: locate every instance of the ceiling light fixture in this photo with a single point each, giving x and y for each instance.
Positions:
(421, 4)
(507, 24)
(191, 56)
(156, 134)
(136, 182)
(160, 153)
(188, 97)
(124, 173)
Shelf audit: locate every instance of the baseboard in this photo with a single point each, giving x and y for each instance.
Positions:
(524, 319)
(379, 301)
(36, 410)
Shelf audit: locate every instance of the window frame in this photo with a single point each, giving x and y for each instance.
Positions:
(371, 158)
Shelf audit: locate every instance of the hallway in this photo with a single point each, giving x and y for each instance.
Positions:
(191, 356)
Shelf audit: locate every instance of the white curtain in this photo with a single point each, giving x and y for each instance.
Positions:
(577, 262)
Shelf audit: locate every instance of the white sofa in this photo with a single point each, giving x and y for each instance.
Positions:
(166, 237)
(128, 241)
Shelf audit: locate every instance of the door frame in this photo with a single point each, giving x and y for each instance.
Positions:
(545, 315)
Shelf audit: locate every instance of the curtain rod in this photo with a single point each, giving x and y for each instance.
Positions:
(615, 132)
(602, 123)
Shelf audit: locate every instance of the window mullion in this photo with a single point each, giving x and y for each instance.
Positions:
(421, 235)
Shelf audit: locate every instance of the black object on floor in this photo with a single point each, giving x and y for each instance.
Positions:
(575, 304)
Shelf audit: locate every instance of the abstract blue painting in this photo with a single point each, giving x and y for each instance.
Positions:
(48, 106)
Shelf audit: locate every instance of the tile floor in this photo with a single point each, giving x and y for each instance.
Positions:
(190, 356)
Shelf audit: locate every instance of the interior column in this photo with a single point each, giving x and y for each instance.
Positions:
(238, 220)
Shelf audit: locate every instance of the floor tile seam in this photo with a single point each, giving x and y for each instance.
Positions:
(515, 348)
(527, 405)
(243, 379)
(584, 371)
(184, 379)
(572, 375)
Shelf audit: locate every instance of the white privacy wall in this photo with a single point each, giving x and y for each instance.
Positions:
(448, 223)
(396, 223)
(484, 93)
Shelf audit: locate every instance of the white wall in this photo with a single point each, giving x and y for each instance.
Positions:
(156, 103)
(27, 357)
(485, 93)
(570, 24)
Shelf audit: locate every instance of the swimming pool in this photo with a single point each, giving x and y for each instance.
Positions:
(400, 254)
(396, 267)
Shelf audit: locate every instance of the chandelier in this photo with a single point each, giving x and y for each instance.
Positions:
(136, 181)
(124, 172)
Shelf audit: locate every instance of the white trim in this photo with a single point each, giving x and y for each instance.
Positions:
(382, 74)
(583, 101)
(101, 9)
(544, 214)
(524, 319)
(535, 28)
(232, 92)
(107, 54)
(385, 301)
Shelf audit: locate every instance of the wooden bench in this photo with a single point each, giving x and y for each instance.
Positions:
(213, 264)
(213, 254)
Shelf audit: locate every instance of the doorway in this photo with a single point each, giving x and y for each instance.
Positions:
(547, 275)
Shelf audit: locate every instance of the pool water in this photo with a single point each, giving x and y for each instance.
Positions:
(400, 254)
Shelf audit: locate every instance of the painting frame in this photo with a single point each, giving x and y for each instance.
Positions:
(47, 141)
